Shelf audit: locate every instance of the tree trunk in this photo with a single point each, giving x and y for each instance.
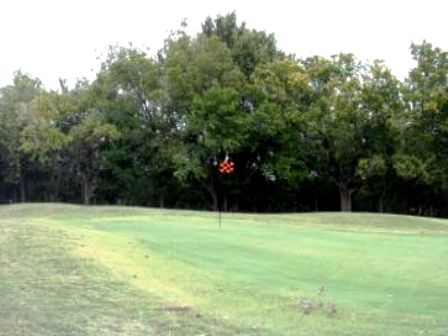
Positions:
(14, 194)
(56, 186)
(87, 189)
(161, 202)
(215, 201)
(213, 194)
(22, 188)
(345, 195)
(381, 203)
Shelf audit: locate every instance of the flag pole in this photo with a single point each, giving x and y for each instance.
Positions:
(225, 167)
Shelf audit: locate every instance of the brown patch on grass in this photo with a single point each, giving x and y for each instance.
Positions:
(175, 309)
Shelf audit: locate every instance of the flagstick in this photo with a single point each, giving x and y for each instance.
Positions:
(219, 201)
(225, 167)
(220, 204)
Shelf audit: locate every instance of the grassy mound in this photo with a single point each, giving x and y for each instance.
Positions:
(71, 270)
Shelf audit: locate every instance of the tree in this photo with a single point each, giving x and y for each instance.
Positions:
(15, 102)
(249, 48)
(384, 106)
(279, 93)
(424, 156)
(131, 89)
(44, 141)
(204, 88)
(72, 124)
(346, 124)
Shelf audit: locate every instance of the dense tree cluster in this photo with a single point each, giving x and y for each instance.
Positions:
(305, 134)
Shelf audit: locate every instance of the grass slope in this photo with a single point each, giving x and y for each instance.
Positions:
(71, 270)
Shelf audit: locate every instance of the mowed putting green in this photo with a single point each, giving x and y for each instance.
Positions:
(72, 270)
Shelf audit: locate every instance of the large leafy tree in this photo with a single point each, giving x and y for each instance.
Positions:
(131, 88)
(45, 141)
(214, 83)
(71, 127)
(204, 88)
(15, 105)
(424, 156)
(279, 93)
(383, 106)
(346, 127)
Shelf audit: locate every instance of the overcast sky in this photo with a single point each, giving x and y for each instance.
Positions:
(62, 38)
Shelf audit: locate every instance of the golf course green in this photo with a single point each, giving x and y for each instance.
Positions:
(100, 270)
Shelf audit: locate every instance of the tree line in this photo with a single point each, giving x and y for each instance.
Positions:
(312, 134)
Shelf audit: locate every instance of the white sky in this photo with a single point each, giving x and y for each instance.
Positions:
(62, 38)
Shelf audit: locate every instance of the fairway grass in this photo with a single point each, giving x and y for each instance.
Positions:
(74, 270)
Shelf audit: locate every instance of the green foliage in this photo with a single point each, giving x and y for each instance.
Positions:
(375, 166)
(42, 137)
(410, 167)
(15, 106)
(150, 130)
(249, 48)
(92, 131)
(217, 120)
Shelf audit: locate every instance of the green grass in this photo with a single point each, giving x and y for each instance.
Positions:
(72, 270)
